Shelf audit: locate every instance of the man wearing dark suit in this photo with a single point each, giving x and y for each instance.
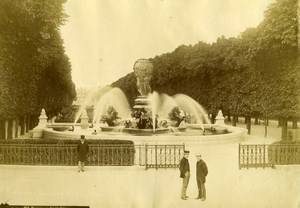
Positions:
(82, 150)
(201, 173)
(184, 174)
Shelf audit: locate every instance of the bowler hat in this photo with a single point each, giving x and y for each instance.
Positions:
(186, 151)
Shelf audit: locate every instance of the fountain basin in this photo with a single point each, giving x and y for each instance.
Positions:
(189, 136)
(210, 128)
(136, 131)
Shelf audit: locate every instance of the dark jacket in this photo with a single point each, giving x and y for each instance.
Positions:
(82, 150)
(201, 170)
(184, 167)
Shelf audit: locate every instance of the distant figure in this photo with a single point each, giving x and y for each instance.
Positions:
(71, 128)
(127, 124)
(82, 150)
(164, 123)
(184, 174)
(201, 173)
(94, 132)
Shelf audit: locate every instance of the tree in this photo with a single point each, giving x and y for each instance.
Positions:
(31, 52)
(275, 57)
(128, 85)
(253, 75)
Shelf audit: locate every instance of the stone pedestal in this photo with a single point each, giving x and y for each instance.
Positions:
(37, 132)
(220, 120)
(84, 124)
(141, 102)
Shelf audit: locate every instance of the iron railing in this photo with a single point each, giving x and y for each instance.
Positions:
(253, 155)
(65, 154)
(284, 154)
(150, 156)
(262, 155)
(163, 156)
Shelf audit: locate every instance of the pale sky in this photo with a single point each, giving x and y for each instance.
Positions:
(103, 38)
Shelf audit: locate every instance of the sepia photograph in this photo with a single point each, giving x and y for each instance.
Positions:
(149, 103)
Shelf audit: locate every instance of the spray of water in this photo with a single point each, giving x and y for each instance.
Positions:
(116, 98)
(154, 99)
(188, 104)
(166, 103)
(162, 105)
(87, 100)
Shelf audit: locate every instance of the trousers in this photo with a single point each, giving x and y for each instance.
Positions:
(185, 183)
(80, 166)
(201, 189)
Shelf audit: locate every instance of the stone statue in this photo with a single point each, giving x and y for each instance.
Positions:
(176, 116)
(111, 117)
(220, 118)
(143, 69)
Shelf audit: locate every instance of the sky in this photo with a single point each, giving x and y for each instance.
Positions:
(104, 38)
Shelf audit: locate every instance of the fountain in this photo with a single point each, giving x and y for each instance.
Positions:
(154, 117)
(144, 119)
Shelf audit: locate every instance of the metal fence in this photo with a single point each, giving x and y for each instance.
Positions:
(261, 155)
(65, 154)
(163, 156)
(253, 155)
(284, 154)
(150, 156)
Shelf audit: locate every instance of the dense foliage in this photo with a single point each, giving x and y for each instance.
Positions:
(254, 75)
(34, 70)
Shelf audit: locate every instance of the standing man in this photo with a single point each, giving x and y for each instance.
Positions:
(184, 174)
(82, 150)
(201, 173)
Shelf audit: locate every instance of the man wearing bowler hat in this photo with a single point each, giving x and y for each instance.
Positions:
(201, 173)
(82, 150)
(184, 174)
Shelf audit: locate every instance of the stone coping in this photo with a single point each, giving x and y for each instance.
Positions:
(235, 134)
